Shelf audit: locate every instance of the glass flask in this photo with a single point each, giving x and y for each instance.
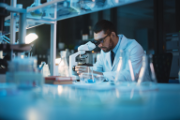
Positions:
(147, 78)
(91, 78)
(63, 65)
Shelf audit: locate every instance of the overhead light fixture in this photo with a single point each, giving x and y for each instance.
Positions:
(30, 38)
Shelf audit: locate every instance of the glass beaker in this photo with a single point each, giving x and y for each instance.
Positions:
(91, 78)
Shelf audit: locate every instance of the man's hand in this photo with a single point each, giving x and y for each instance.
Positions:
(82, 69)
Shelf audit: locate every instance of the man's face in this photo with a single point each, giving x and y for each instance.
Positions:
(104, 40)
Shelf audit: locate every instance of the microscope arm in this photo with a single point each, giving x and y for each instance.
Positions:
(81, 50)
(72, 62)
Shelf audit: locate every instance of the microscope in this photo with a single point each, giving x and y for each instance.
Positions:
(80, 57)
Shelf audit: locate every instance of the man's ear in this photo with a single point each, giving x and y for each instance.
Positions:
(113, 34)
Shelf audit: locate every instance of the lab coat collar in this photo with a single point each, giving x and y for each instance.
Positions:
(122, 46)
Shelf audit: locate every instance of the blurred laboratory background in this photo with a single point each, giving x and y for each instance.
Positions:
(153, 23)
(39, 40)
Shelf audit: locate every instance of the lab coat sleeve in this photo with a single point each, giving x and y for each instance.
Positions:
(110, 75)
(98, 66)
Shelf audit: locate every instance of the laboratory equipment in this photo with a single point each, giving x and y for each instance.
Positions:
(6, 51)
(87, 5)
(80, 57)
(35, 13)
(119, 67)
(91, 78)
(117, 80)
(41, 66)
(23, 72)
(144, 82)
(63, 67)
(131, 68)
(44, 69)
(143, 68)
(67, 7)
(153, 75)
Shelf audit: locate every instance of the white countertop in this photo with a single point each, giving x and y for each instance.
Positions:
(62, 102)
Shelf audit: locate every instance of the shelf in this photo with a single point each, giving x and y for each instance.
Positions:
(15, 48)
(57, 10)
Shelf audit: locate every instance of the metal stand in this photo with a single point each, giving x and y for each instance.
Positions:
(53, 43)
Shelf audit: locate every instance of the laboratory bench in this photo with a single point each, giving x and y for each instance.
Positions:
(53, 102)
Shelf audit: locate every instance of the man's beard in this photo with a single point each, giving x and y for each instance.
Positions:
(110, 47)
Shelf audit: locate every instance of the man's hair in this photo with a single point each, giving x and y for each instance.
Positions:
(104, 25)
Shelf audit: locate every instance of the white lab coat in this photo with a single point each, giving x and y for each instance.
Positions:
(130, 47)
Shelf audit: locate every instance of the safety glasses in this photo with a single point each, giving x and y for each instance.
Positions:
(97, 42)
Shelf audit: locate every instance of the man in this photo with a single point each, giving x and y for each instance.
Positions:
(110, 43)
